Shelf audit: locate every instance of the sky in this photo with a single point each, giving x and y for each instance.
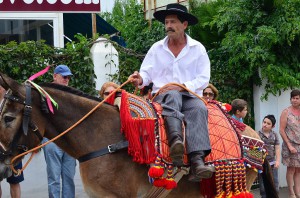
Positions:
(107, 5)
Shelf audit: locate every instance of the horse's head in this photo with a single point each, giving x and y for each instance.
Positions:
(17, 132)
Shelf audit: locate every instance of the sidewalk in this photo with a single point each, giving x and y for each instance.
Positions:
(283, 193)
(35, 180)
(35, 183)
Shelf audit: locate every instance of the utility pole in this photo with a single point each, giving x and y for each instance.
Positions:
(94, 25)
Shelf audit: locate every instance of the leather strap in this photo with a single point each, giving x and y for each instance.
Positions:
(27, 109)
(110, 149)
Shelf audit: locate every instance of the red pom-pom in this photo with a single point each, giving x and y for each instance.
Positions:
(170, 184)
(156, 171)
(244, 195)
(161, 182)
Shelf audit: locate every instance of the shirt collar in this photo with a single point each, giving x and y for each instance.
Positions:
(238, 119)
(271, 133)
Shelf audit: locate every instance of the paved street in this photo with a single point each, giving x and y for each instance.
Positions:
(35, 183)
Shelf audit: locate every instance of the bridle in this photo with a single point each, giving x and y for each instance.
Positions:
(27, 124)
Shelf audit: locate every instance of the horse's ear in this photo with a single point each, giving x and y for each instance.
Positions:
(9, 83)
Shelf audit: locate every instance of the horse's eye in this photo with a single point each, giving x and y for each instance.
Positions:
(8, 119)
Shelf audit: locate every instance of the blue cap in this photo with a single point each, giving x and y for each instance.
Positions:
(63, 70)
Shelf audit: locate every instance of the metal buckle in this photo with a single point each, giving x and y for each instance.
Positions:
(109, 147)
(28, 107)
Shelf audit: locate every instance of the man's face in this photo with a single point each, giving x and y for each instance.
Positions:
(62, 80)
(174, 27)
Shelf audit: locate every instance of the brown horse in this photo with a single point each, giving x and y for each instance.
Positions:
(23, 120)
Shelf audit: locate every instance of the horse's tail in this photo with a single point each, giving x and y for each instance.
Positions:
(267, 176)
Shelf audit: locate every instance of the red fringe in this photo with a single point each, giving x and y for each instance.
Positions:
(208, 192)
(110, 100)
(139, 133)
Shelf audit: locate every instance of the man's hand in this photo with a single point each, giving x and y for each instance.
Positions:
(136, 79)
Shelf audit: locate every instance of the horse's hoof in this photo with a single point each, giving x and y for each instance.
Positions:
(176, 153)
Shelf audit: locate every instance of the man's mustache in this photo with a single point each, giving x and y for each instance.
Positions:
(170, 30)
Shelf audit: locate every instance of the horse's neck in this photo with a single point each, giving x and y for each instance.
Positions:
(98, 130)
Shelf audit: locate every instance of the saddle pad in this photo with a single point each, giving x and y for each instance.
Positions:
(223, 136)
(254, 152)
(138, 121)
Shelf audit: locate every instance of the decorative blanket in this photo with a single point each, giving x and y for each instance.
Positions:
(224, 139)
(138, 121)
(144, 128)
(254, 152)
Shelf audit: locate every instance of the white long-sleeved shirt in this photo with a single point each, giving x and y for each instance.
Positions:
(191, 67)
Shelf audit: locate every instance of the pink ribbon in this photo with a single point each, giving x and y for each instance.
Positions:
(40, 73)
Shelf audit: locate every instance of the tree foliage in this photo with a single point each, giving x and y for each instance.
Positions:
(250, 42)
(128, 17)
(259, 43)
(20, 61)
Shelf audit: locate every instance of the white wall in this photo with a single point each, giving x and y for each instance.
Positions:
(274, 105)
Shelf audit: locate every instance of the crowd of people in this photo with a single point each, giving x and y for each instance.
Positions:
(181, 59)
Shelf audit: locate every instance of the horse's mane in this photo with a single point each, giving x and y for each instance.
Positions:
(70, 90)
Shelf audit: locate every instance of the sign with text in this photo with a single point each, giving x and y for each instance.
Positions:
(50, 6)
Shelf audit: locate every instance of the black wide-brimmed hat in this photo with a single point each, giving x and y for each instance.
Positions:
(177, 9)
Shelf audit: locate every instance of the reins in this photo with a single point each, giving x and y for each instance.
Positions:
(84, 117)
(179, 85)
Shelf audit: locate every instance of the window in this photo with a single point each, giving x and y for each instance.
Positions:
(23, 30)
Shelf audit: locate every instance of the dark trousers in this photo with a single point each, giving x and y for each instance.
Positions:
(193, 111)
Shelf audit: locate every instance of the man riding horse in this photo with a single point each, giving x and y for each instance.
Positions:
(180, 59)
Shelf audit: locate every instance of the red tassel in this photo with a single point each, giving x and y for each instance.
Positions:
(156, 171)
(170, 184)
(244, 195)
(161, 182)
(249, 195)
(205, 191)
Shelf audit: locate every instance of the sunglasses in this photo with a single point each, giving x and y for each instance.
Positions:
(208, 94)
(106, 93)
(66, 77)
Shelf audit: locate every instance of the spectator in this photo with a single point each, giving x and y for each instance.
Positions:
(239, 109)
(146, 92)
(13, 180)
(272, 144)
(107, 88)
(290, 132)
(210, 93)
(60, 165)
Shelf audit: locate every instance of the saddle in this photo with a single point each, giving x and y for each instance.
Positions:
(143, 126)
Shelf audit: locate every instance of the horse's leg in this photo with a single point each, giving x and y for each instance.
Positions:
(250, 177)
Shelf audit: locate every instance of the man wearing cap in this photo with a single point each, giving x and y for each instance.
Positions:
(180, 59)
(60, 165)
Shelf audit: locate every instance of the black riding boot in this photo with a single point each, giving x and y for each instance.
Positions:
(174, 134)
(198, 170)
